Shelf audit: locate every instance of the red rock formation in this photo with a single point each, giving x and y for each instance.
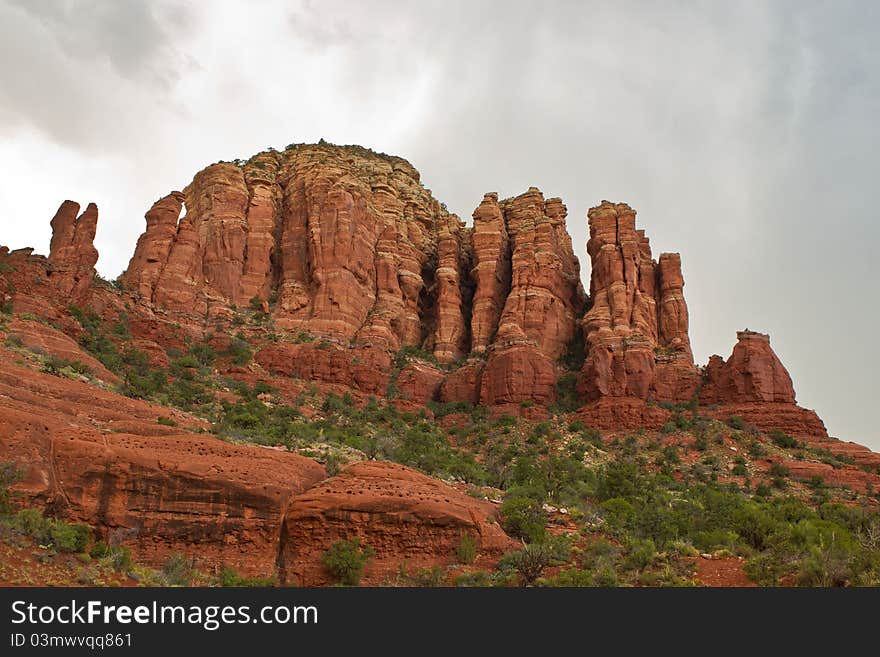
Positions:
(419, 382)
(401, 514)
(753, 373)
(341, 237)
(153, 247)
(623, 414)
(451, 299)
(367, 370)
(463, 384)
(638, 315)
(517, 373)
(264, 202)
(72, 253)
(491, 271)
(530, 314)
(100, 458)
(545, 290)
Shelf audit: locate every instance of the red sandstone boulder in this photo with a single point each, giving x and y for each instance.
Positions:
(403, 515)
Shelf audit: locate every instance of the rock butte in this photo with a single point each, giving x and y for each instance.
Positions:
(374, 286)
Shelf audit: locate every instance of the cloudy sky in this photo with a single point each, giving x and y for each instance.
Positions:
(744, 134)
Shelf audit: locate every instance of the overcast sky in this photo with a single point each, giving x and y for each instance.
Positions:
(744, 133)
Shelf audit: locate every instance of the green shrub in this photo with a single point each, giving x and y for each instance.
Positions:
(762, 490)
(523, 517)
(230, 578)
(119, 558)
(783, 440)
(9, 475)
(572, 578)
(239, 352)
(99, 550)
(430, 577)
(178, 570)
(345, 561)
(756, 449)
(204, 354)
(531, 561)
(477, 578)
(62, 536)
(166, 421)
(778, 470)
(70, 538)
(566, 393)
(467, 549)
(736, 422)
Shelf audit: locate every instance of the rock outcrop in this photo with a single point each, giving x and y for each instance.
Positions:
(527, 297)
(154, 246)
(97, 457)
(753, 373)
(636, 330)
(400, 513)
(72, 253)
(338, 241)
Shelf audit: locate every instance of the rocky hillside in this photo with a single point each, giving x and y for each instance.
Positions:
(307, 348)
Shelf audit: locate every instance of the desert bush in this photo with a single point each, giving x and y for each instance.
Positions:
(781, 439)
(228, 577)
(466, 552)
(9, 475)
(178, 570)
(345, 561)
(524, 517)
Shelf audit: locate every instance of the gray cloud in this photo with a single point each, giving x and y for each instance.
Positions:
(743, 133)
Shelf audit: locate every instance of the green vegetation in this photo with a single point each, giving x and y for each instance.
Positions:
(633, 509)
(345, 561)
(467, 549)
(60, 535)
(9, 475)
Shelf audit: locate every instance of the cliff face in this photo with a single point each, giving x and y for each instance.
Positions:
(527, 296)
(340, 242)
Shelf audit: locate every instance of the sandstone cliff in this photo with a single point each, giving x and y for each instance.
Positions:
(636, 331)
